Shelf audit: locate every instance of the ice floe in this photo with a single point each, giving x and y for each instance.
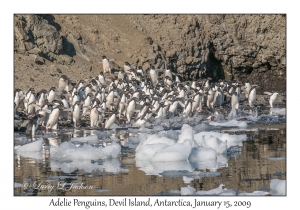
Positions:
(69, 151)
(278, 187)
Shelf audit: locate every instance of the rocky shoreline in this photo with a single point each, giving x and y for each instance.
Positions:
(230, 47)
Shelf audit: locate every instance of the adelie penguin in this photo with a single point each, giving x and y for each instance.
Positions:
(27, 97)
(76, 113)
(131, 108)
(31, 104)
(106, 65)
(63, 83)
(33, 125)
(273, 97)
(52, 122)
(18, 98)
(101, 78)
(252, 96)
(94, 116)
(112, 119)
(127, 67)
(51, 94)
(153, 75)
(140, 71)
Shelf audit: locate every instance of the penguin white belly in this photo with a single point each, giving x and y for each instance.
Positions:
(110, 121)
(94, 117)
(62, 84)
(106, 67)
(252, 97)
(195, 103)
(235, 102)
(153, 76)
(273, 99)
(129, 110)
(86, 105)
(76, 115)
(188, 109)
(173, 107)
(53, 118)
(51, 96)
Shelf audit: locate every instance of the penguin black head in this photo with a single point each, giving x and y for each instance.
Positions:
(94, 82)
(127, 64)
(104, 57)
(64, 77)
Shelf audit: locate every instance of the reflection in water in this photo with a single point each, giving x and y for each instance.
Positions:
(246, 168)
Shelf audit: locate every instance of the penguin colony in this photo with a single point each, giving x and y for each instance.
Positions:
(134, 97)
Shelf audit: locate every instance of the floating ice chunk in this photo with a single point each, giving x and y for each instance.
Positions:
(255, 193)
(277, 111)
(186, 133)
(101, 191)
(188, 190)
(160, 167)
(16, 185)
(215, 143)
(86, 138)
(148, 151)
(278, 187)
(174, 192)
(203, 154)
(278, 158)
(35, 146)
(155, 139)
(230, 123)
(231, 140)
(175, 152)
(172, 134)
(187, 180)
(69, 151)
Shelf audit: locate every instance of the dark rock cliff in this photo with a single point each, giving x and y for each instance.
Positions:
(231, 47)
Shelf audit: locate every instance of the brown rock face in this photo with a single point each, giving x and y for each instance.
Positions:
(239, 47)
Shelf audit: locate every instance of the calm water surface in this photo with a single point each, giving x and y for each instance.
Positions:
(249, 167)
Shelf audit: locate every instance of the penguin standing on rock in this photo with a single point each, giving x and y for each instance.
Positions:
(33, 126)
(63, 83)
(27, 96)
(51, 94)
(273, 97)
(252, 96)
(153, 75)
(76, 113)
(52, 122)
(94, 116)
(106, 65)
(101, 78)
